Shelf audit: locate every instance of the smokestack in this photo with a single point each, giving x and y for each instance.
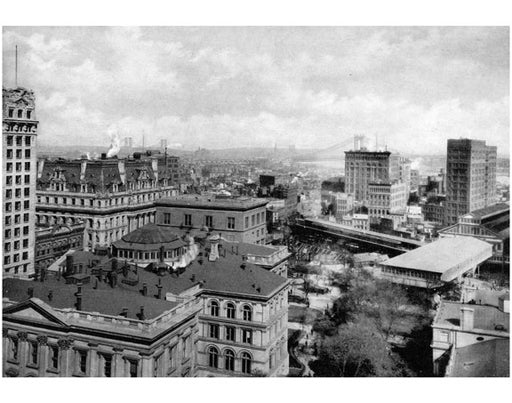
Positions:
(78, 295)
(115, 145)
(467, 316)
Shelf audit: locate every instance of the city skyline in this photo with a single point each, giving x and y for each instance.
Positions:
(261, 86)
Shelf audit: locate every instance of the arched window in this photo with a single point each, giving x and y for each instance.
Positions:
(246, 363)
(247, 312)
(214, 308)
(213, 357)
(229, 360)
(230, 310)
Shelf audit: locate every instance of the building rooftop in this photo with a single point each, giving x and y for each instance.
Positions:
(486, 317)
(212, 203)
(150, 235)
(491, 210)
(104, 299)
(440, 256)
(485, 359)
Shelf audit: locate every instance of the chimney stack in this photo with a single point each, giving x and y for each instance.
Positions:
(50, 295)
(144, 289)
(159, 291)
(30, 292)
(141, 314)
(124, 312)
(467, 318)
(78, 295)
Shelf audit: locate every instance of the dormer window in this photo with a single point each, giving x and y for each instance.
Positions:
(11, 112)
(20, 113)
(29, 114)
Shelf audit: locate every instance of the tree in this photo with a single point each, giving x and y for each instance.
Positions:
(357, 350)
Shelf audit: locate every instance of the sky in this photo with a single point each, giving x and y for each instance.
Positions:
(311, 87)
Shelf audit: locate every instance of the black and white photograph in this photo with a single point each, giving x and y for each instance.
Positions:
(255, 201)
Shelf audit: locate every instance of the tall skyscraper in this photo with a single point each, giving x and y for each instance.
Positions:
(471, 177)
(19, 133)
(363, 167)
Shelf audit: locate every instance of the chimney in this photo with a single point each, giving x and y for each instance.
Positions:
(30, 292)
(466, 318)
(214, 251)
(159, 291)
(69, 265)
(141, 314)
(162, 251)
(50, 295)
(144, 289)
(78, 295)
(103, 156)
(124, 312)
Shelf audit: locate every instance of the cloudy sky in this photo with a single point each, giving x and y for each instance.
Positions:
(225, 87)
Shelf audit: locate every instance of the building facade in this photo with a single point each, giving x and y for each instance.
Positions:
(470, 177)
(19, 136)
(363, 167)
(386, 198)
(112, 196)
(240, 219)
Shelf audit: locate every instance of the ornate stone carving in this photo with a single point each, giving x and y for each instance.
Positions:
(65, 344)
(22, 336)
(42, 340)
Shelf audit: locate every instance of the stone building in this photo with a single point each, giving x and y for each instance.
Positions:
(363, 167)
(470, 177)
(386, 198)
(241, 219)
(19, 135)
(112, 196)
(225, 314)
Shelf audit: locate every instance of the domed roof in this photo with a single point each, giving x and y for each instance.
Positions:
(151, 234)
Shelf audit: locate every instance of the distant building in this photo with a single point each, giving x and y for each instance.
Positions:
(471, 339)
(415, 180)
(470, 177)
(490, 224)
(112, 196)
(386, 198)
(240, 219)
(363, 167)
(359, 221)
(54, 241)
(344, 203)
(434, 209)
(19, 134)
(400, 170)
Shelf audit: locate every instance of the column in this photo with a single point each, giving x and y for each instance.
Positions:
(93, 359)
(146, 366)
(66, 366)
(5, 350)
(118, 369)
(43, 354)
(22, 352)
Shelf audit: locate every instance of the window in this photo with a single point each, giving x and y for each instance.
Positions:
(14, 349)
(246, 363)
(27, 153)
(246, 222)
(213, 357)
(167, 218)
(8, 180)
(29, 114)
(8, 193)
(26, 204)
(7, 259)
(9, 140)
(247, 336)
(172, 357)
(247, 313)
(20, 113)
(18, 153)
(11, 112)
(214, 308)
(213, 331)
(18, 166)
(26, 192)
(231, 222)
(230, 310)
(106, 364)
(54, 357)
(18, 140)
(229, 360)
(208, 221)
(27, 166)
(230, 333)
(81, 356)
(34, 353)
(188, 219)
(27, 140)
(9, 167)
(186, 348)
(27, 180)
(7, 247)
(133, 366)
